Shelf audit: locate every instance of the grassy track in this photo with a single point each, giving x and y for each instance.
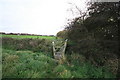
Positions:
(29, 36)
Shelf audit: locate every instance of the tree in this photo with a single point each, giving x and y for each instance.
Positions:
(95, 35)
(62, 34)
(103, 19)
(103, 23)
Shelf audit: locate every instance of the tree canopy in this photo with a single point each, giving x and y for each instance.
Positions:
(95, 32)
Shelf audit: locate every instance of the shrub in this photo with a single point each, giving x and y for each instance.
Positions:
(36, 45)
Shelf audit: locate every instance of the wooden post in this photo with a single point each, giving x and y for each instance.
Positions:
(64, 47)
(53, 48)
(60, 55)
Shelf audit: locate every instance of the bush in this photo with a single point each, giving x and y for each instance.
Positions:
(36, 45)
(62, 34)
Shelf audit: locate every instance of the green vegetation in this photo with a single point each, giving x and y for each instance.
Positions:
(92, 50)
(31, 61)
(28, 36)
(27, 64)
(94, 34)
(36, 45)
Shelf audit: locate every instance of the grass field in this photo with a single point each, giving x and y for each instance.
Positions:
(27, 64)
(28, 36)
(23, 57)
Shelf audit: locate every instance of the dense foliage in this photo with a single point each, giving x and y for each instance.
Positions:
(62, 34)
(36, 45)
(96, 35)
(100, 25)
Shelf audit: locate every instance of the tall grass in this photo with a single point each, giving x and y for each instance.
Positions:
(36, 45)
(27, 64)
(32, 58)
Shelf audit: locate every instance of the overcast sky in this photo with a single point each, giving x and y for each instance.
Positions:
(45, 17)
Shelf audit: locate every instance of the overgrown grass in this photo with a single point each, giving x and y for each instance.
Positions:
(33, 58)
(36, 45)
(27, 64)
(28, 36)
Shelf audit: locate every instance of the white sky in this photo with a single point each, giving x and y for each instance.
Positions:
(45, 17)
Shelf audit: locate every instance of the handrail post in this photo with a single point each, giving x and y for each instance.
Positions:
(53, 48)
(60, 55)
